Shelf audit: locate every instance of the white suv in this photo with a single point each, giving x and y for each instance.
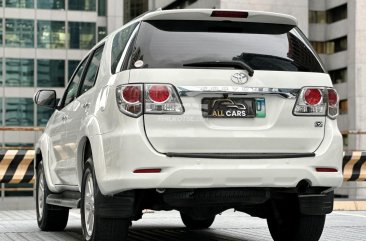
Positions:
(198, 111)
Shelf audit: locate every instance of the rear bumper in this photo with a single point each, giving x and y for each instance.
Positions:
(127, 150)
(313, 201)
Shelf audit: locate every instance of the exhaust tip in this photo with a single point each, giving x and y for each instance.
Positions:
(303, 186)
(160, 190)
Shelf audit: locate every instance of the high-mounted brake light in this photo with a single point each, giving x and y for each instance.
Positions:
(317, 101)
(157, 99)
(229, 14)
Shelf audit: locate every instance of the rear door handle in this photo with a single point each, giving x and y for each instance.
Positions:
(86, 105)
(65, 117)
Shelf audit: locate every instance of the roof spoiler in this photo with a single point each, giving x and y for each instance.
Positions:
(222, 15)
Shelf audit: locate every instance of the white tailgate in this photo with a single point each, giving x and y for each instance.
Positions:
(278, 132)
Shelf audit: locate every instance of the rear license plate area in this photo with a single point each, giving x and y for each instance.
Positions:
(231, 107)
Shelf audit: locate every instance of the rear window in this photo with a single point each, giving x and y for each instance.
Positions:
(172, 44)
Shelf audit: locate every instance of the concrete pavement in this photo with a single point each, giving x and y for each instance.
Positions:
(158, 226)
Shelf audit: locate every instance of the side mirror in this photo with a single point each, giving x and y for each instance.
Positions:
(45, 98)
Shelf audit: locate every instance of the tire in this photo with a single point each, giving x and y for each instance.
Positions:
(191, 223)
(94, 227)
(49, 217)
(290, 225)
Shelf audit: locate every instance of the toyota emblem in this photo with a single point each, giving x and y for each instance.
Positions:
(239, 78)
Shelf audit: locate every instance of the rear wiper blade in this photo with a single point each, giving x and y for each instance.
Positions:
(235, 64)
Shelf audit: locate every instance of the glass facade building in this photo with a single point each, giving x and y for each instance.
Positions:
(82, 35)
(51, 73)
(51, 34)
(42, 43)
(51, 4)
(19, 111)
(82, 5)
(19, 72)
(19, 3)
(19, 33)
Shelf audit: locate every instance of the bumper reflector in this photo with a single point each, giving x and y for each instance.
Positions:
(326, 169)
(147, 171)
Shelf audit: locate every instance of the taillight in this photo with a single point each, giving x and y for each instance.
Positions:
(157, 99)
(159, 93)
(332, 97)
(313, 96)
(162, 99)
(317, 101)
(333, 101)
(129, 99)
(131, 94)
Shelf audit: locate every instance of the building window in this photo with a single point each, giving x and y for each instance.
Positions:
(345, 140)
(179, 4)
(337, 13)
(338, 76)
(1, 72)
(1, 112)
(343, 107)
(134, 8)
(43, 115)
(340, 44)
(19, 33)
(102, 7)
(330, 47)
(51, 4)
(317, 17)
(83, 5)
(19, 72)
(1, 31)
(102, 33)
(51, 34)
(329, 16)
(19, 3)
(72, 67)
(82, 35)
(51, 73)
(19, 112)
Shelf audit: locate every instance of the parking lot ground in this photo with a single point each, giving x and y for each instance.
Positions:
(158, 226)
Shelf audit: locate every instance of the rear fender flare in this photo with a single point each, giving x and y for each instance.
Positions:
(43, 146)
(92, 133)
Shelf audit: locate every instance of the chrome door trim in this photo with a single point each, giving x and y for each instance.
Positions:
(196, 90)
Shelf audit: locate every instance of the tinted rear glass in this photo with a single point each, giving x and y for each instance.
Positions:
(172, 44)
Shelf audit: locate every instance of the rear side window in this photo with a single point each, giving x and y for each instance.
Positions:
(119, 43)
(72, 89)
(92, 70)
(172, 44)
